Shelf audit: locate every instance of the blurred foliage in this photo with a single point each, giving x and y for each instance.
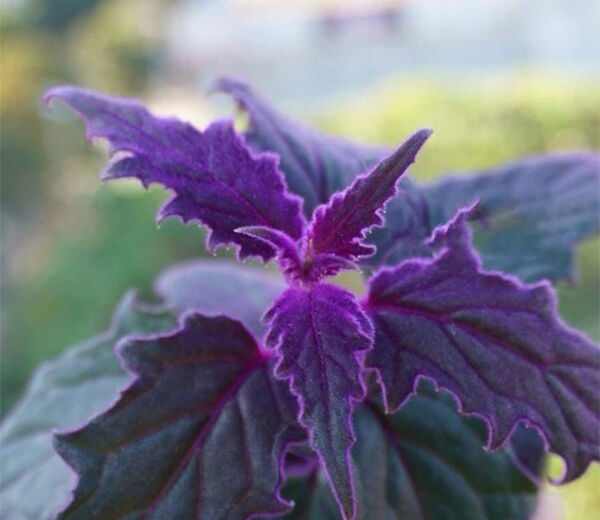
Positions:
(98, 50)
(23, 64)
(476, 124)
(125, 56)
(43, 192)
(72, 288)
(57, 15)
(71, 248)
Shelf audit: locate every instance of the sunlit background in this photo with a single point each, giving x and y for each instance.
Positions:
(496, 79)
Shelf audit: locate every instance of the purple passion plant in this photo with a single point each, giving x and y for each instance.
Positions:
(327, 408)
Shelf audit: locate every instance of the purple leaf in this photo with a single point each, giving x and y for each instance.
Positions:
(339, 227)
(497, 344)
(216, 179)
(532, 212)
(203, 403)
(319, 335)
(315, 164)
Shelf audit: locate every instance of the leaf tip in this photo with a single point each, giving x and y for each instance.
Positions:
(416, 141)
(228, 84)
(51, 93)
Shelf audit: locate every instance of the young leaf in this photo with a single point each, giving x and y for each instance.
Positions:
(339, 227)
(288, 255)
(203, 403)
(213, 287)
(65, 392)
(497, 344)
(424, 462)
(532, 212)
(315, 165)
(318, 334)
(307, 270)
(216, 179)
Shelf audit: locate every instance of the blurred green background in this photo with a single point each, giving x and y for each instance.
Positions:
(71, 247)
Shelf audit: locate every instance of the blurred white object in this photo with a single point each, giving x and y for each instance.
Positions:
(309, 48)
(549, 508)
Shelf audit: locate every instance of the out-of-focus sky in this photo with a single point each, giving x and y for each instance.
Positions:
(318, 47)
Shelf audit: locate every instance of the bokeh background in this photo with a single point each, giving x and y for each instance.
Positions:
(496, 79)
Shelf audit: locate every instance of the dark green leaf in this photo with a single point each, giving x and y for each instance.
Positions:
(63, 393)
(424, 463)
(199, 434)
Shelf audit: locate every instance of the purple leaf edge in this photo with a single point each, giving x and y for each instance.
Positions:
(437, 236)
(53, 93)
(366, 328)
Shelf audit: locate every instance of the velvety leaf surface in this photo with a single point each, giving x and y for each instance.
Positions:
(423, 463)
(63, 393)
(497, 344)
(407, 227)
(318, 334)
(315, 165)
(213, 287)
(532, 212)
(199, 433)
(216, 179)
(339, 226)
